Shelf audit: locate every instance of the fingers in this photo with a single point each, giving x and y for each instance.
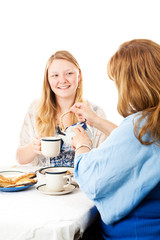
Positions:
(36, 145)
(38, 137)
(76, 111)
(77, 108)
(77, 105)
(80, 137)
(78, 129)
(83, 112)
(38, 152)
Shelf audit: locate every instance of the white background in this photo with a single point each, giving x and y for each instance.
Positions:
(32, 30)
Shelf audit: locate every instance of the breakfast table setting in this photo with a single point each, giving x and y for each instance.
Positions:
(44, 203)
(29, 210)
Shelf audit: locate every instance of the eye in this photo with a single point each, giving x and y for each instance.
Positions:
(54, 75)
(69, 73)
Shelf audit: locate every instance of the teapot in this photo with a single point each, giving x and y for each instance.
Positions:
(67, 135)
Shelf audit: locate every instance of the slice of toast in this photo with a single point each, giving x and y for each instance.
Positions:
(23, 177)
(23, 180)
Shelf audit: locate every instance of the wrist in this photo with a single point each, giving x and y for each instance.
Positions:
(93, 121)
(82, 146)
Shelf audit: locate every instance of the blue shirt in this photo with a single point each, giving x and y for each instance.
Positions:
(120, 173)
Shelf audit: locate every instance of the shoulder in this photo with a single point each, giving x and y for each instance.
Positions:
(32, 109)
(33, 106)
(124, 131)
(122, 137)
(127, 124)
(97, 109)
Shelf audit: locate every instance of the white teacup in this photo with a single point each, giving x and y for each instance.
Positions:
(50, 146)
(56, 179)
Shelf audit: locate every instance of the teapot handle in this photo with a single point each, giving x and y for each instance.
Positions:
(61, 117)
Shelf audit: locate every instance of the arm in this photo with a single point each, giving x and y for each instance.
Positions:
(119, 173)
(81, 141)
(26, 154)
(103, 125)
(30, 145)
(84, 112)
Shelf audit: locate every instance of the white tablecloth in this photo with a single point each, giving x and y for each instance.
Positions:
(30, 214)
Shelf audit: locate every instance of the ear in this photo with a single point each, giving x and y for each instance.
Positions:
(79, 76)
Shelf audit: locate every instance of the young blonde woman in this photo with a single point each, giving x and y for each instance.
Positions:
(122, 175)
(62, 87)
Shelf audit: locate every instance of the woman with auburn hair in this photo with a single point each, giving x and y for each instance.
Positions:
(122, 176)
(62, 87)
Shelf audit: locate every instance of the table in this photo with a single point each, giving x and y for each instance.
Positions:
(29, 214)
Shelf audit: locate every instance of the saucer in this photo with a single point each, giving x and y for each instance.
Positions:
(43, 170)
(43, 189)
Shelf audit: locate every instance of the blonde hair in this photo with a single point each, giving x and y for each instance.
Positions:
(47, 108)
(135, 68)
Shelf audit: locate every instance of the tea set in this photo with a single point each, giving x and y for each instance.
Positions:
(59, 180)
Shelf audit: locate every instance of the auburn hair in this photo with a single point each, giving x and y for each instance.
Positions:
(135, 68)
(47, 108)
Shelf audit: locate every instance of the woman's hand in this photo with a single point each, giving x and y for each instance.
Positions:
(26, 154)
(84, 112)
(80, 138)
(36, 145)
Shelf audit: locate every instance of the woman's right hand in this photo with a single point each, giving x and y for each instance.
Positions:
(84, 112)
(27, 153)
(36, 145)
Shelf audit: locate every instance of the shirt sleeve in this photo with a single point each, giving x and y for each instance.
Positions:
(28, 130)
(119, 173)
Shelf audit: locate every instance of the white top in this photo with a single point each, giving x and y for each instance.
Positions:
(29, 131)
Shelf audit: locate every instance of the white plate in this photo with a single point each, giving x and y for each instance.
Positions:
(11, 173)
(14, 174)
(43, 189)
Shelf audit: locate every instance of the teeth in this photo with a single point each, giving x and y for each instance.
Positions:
(64, 87)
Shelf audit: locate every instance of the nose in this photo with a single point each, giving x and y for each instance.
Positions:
(63, 78)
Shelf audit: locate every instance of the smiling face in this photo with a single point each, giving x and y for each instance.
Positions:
(63, 77)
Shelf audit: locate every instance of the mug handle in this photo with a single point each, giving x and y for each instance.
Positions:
(69, 180)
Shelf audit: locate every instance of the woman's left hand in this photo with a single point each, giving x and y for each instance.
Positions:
(80, 138)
